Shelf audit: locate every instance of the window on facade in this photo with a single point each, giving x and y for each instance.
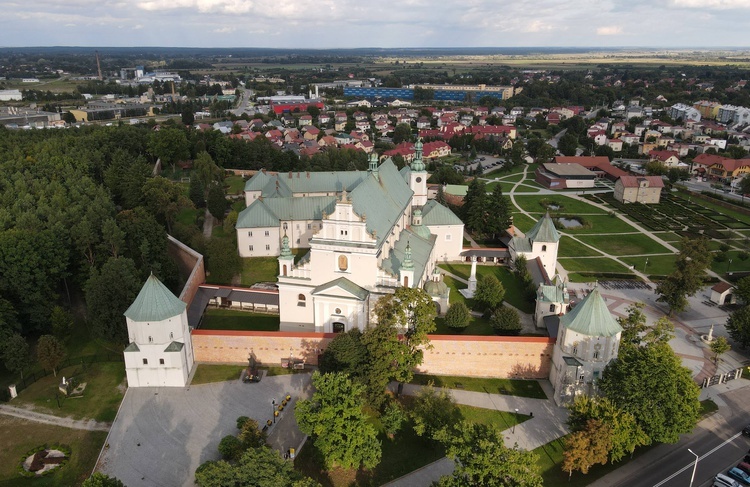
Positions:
(171, 335)
(249, 234)
(406, 281)
(297, 240)
(145, 361)
(575, 349)
(267, 234)
(447, 236)
(268, 247)
(343, 263)
(581, 377)
(596, 355)
(283, 270)
(150, 339)
(309, 226)
(301, 300)
(250, 247)
(161, 361)
(544, 248)
(344, 232)
(551, 308)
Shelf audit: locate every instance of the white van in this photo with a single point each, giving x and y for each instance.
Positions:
(722, 480)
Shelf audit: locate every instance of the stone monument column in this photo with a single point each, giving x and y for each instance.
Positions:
(473, 276)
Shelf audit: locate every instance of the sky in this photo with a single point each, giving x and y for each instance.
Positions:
(375, 23)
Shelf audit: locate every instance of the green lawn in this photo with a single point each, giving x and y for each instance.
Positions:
(506, 186)
(736, 265)
(734, 214)
(205, 373)
(523, 222)
(567, 205)
(626, 244)
(187, 216)
(601, 224)
(511, 387)
(668, 236)
(513, 292)
(234, 184)
(18, 436)
(593, 264)
(573, 248)
(100, 399)
(477, 326)
(259, 269)
(230, 319)
(659, 265)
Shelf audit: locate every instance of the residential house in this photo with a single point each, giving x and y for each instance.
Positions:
(667, 158)
(639, 189)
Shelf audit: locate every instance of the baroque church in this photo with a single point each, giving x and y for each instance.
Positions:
(362, 233)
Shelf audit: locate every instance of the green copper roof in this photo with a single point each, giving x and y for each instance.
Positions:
(591, 317)
(268, 212)
(174, 347)
(433, 213)
(456, 189)
(544, 231)
(155, 303)
(132, 348)
(345, 284)
(287, 184)
(420, 254)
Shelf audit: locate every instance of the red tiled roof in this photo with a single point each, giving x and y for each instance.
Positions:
(662, 155)
(635, 181)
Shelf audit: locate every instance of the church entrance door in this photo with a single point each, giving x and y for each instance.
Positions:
(338, 327)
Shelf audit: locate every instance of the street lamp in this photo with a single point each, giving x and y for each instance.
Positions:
(515, 420)
(645, 264)
(728, 264)
(695, 465)
(273, 410)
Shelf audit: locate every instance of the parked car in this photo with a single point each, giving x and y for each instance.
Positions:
(746, 431)
(739, 475)
(744, 466)
(722, 480)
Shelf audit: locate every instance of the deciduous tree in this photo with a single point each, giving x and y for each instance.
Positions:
(335, 419)
(50, 352)
(458, 316)
(506, 321)
(489, 293)
(346, 353)
(109, 293)
(483, 460)
(101, 480)
(688, 276)
(15, 353)
(719, 346)
(738, 326)
(257, 467)
(434, 411)
(587, 447)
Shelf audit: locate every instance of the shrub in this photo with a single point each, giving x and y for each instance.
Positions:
(490, 292)
(506, 321)
(720, 257)
(724, 247)
(743, 255)
(458, 316)
(241, 421)
(392, 418)
(251, 436)
(230, 448)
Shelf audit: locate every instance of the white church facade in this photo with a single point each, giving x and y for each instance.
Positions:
(159, 351)
(368, 232)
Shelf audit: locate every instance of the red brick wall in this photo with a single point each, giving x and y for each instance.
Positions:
(470, 356)
(191, 264)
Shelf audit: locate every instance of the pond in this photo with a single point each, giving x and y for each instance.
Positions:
(553, 207)
(569, 222)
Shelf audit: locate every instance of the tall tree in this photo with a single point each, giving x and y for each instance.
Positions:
(257, 467)
(499, 216)
(688, 276)
(402, 133)
(50, 352)
(101, 480)
(109, 293)
(15, 353)
(216, 202)
(164, 199)
(170, 145)
(435, 414)
(719, 346)
(335, 419)
(664, 404)
(483, 460)
(346, 353)
(587, 447)
(738, 326)
(474, 209)
(489, 293)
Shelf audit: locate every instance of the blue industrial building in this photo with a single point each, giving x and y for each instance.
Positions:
(408, 93)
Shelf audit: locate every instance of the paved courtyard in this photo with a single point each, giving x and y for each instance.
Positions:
(161, 435)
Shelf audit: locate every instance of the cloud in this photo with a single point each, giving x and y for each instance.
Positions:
(538, 26)
(713, 4)
(611, 30)
(224, 30)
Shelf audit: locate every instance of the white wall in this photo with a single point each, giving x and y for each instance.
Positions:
(449, 241)
(259, 240)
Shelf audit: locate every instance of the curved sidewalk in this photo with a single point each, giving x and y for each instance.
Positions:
(83, 424)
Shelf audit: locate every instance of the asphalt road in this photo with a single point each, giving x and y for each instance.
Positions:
(719, 445)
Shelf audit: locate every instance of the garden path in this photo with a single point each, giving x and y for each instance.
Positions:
(79, 424)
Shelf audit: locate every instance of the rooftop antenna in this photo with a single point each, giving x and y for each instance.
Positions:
(98, 66)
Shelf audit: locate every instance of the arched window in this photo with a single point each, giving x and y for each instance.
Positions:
(544, 248)
(171, 335)
(406, 281)
(301, 300)
(343, 263)
(283, 270)
(150, 339)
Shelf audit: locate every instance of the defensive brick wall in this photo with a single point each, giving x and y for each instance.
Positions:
(470, 356)
(191, 264)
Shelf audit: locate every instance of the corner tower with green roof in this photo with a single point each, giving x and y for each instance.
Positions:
(160, 352)
(588, 339)
(541, 242)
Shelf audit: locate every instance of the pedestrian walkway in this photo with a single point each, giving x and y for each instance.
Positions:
(78, 424)
(547, 424)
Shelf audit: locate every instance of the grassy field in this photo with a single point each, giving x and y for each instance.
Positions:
(523, 222)
(511, 387)
(513, 292)
(737, 264)
(230, 319)
(626, 244)
(593, 264)
(659, 265)
(234, 184)
(600, 224)
(572, 248)
(18, 436)
(533, 204)
(205, 374)
(100, 400)
(477, 326)
(259, 269)
(187, 216)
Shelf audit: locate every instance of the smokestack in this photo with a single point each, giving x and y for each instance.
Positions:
(316, 92)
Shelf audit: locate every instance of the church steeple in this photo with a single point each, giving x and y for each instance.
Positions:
(408, 263)
(406, 271)
(286, 252)
(417, 164)
(373, 165)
